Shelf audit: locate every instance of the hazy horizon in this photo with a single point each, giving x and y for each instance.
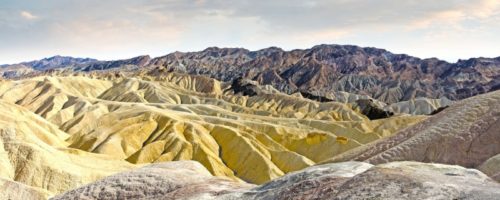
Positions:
(110, 30)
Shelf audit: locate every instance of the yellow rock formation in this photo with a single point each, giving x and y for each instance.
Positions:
(33, 152)
(58, 124)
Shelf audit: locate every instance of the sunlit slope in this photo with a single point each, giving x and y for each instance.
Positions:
(179, 117)
(467, 134)
(33, 153)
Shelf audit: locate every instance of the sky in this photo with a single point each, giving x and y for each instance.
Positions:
(118, 29)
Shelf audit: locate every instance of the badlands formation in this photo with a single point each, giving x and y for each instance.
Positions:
(154, 128)
(111, 137)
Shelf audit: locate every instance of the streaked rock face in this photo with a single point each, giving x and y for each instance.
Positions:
(350, 180)
(467, 134)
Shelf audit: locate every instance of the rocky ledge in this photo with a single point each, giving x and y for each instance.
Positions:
(346, 180)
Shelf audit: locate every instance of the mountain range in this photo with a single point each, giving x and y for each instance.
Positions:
(320, 71)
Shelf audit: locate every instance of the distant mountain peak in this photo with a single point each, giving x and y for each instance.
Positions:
(57, 61)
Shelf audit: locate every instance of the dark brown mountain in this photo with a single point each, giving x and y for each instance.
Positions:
(327, 68)
(319, 71)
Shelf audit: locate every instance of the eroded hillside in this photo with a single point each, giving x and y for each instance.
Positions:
(62, 121)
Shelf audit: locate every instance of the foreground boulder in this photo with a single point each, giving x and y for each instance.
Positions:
(491, 167)
(348, 180)
(171, 180)
(412, 180)
(317, 182)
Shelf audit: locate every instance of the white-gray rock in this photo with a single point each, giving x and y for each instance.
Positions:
(413, 180)
(170, 180)
(348, 180)
(491, 167)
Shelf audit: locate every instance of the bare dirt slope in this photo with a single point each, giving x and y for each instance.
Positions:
(467, 134)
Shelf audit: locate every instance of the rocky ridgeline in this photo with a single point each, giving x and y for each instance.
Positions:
(320, 71)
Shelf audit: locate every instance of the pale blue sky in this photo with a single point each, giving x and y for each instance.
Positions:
(115, 29)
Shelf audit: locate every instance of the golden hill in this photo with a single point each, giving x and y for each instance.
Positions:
(50, 124)
(34, 157)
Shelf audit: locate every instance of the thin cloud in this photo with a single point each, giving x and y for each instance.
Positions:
(27, 15)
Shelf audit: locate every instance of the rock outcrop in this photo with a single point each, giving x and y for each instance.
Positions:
(248, 87)
(491, 167)
(351, 180)
(371, 110)
(467, 133)
(171, 180)
(316, 182)
(411, 180)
